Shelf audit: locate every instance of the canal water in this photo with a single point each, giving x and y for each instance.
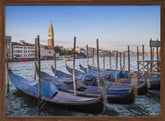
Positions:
(17, 104)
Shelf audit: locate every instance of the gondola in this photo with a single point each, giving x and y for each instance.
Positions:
(90, 80)
(50, 94)
(141, 86)
(116, 93)
(93, 71)
(154, 81)
(120, 73)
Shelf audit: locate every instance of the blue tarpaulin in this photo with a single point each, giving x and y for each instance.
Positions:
(47, 88)
(103, 73)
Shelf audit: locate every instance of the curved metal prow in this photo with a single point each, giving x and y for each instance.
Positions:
(134, 83)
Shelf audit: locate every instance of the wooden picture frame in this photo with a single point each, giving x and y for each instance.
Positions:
(80, 2)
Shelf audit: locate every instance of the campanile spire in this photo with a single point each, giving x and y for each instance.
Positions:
(50, 35)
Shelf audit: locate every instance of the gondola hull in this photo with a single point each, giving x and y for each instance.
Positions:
(126, 99)
(143, 89)
(155, 86)
(154, 83)
(95, 107)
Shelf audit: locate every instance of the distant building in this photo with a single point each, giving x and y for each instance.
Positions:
(50, 35)
(80, 50)
(126, 53)
(68, 49)
(46, 52)
(90, 51)
(24, 50)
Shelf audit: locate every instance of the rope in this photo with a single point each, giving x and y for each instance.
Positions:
(44, 102)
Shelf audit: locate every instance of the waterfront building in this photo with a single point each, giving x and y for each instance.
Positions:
(24, 50)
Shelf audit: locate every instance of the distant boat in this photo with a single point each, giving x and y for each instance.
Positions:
(61, 57)
(67, 59)
(23, 60)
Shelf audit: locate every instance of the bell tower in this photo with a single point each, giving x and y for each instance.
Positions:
(50, 35)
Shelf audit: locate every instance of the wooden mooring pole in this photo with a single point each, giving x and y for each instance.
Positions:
(110, 60)
(103, 61)
(39, 80)
(74, 78)
(116, 64)
(93, 57)
(143, 57)
(124, 62)
(151, 54)
(157, 56)
(137, 60)
(54, 61)
(87, 59)
(152, 59)
(35, 59)
(98, 70)
(128, 62)
(120, 62)
(7, 78)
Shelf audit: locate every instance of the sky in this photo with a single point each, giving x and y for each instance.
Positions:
(116, 27)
